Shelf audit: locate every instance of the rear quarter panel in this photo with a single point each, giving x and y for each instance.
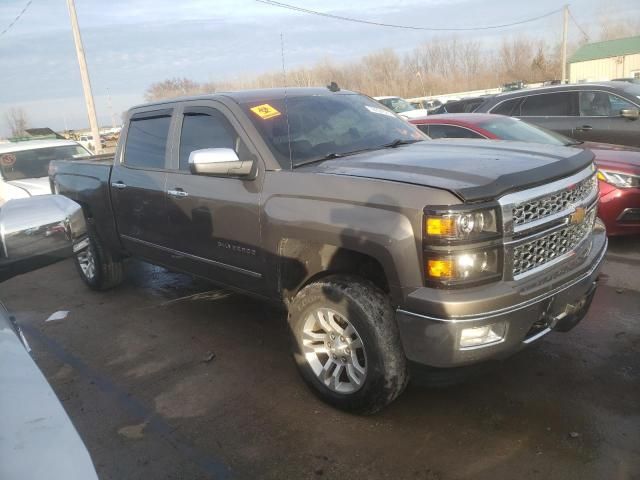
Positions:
(87, 183)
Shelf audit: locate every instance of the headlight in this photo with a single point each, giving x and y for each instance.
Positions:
(450, 269)
(465, 225)
(618, 179)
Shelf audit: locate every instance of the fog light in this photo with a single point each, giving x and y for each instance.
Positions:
(485, 335)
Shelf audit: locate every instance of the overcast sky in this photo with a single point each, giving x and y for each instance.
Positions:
(132, 43)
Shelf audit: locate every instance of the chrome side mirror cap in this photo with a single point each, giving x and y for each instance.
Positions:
(219, 161)
(630, 113)
(37, 231)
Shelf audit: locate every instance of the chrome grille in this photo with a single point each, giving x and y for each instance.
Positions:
(536, 253)
(541, 208)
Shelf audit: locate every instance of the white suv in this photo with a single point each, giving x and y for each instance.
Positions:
(24, 166)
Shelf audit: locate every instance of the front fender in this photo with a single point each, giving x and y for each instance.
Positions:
(323, 227)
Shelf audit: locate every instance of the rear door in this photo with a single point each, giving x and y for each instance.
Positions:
(138, 183)
(557, 111)
(214, 220)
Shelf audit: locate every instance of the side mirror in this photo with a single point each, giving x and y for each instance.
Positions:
(630, 113)
(37, 231)
(219, 161)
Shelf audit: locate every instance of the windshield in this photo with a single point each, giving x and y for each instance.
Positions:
(35, 163)
(397, 104)
(517, 130)
(326, 125)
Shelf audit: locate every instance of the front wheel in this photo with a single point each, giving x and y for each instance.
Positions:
(346, 344)
(98, 267)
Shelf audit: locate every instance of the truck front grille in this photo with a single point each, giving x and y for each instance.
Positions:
(541, 208)
(537, 253)
(545, 225)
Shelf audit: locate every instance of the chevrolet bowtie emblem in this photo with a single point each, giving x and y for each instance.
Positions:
(577, 216)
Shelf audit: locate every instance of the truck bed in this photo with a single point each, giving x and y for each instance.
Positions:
(87, 182)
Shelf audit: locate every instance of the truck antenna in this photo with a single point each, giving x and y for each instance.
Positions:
(286, 109)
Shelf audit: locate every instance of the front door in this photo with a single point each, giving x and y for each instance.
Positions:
(214, 221)
(601, 120)
(138, 184)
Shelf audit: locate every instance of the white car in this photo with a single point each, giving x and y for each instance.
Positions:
(24, 166)
(402, 107)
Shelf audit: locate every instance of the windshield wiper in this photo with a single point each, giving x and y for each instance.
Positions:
(573, 142)
(397, 142)
(333, 155)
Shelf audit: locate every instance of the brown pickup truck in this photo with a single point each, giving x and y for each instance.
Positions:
(388, 249)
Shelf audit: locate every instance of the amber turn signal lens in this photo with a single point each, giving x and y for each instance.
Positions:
(441, 226)
(440, 268)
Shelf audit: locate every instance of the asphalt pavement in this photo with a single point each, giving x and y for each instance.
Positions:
(167, 377)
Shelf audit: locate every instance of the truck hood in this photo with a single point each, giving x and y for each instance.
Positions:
(33, 186)
(474, 170)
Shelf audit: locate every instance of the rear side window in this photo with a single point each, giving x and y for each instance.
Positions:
(507, 107)
(451, 131)
(549, 104)
(147, 142)
(208, 128)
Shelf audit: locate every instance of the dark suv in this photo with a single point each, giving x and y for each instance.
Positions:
(602, 112)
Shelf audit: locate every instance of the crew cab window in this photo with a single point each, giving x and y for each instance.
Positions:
(549, 104)
(507, 107)
(450, 131)
(147, 142)
(602, 104)
(208, 129)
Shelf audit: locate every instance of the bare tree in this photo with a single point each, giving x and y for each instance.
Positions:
(441, 65)
(17, 121)
(177, 87)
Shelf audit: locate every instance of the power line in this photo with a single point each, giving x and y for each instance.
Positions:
(15, 20)
(295, 8)
(586, 36)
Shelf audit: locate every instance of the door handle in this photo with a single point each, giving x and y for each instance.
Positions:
(118, 185)
(584, 128)
(178, 192)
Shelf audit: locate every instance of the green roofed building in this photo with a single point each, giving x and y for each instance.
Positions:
(608, 60)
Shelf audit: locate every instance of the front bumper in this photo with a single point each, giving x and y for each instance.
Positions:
(555, 299)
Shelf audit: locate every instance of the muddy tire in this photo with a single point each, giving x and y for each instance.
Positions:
(98, 267)
(346, 344)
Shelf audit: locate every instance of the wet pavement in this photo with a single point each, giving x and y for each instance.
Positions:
(170, 378)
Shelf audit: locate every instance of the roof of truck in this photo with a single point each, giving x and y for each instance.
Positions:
(34, 144)
(248, 96)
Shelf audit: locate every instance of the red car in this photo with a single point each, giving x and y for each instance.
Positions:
(618, 166)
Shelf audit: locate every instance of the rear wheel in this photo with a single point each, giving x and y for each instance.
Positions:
(98, 267)
(346, 344)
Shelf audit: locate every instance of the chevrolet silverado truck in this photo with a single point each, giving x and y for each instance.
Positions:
(387, 249)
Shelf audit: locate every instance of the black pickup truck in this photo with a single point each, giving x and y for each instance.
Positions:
(387, 249)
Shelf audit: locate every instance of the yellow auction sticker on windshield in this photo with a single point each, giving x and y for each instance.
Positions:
(265, 111)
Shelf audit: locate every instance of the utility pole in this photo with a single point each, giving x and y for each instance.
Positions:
(565, 29)
(84, 74)
(113, 117)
